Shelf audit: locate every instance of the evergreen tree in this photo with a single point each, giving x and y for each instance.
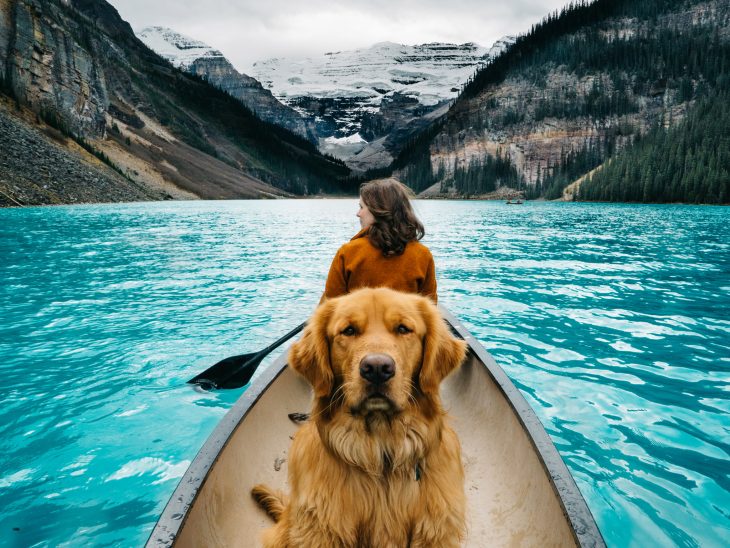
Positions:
(688, 163)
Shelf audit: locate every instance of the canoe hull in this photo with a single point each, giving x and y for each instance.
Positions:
(519, 491)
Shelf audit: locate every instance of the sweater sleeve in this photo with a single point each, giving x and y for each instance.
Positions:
(336, 284)
(428, 289)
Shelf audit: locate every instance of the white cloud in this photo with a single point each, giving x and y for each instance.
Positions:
(247, 31)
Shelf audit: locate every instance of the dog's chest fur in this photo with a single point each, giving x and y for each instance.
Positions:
(380, 446)
(370, 481)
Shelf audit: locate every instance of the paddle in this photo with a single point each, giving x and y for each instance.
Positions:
(236, 371)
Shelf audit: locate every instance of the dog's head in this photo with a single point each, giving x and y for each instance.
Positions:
(375, 350)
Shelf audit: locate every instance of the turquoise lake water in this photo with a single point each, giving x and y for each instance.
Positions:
(611, 319)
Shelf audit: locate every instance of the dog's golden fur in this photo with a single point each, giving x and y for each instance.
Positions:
(376, 466)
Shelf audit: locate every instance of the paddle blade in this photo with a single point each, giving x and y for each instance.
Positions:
(233, 372)
(236, 371)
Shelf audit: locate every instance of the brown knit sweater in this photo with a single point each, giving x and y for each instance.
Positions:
(359, 263)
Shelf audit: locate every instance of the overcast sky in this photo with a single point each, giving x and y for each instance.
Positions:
(247, 31)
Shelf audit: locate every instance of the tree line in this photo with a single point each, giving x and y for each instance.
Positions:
(688, 162)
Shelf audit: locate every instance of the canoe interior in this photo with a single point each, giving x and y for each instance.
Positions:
(511, 500)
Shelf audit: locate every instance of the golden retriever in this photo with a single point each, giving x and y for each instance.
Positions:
(376, 465)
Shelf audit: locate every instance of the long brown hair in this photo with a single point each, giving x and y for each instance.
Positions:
(395, 222)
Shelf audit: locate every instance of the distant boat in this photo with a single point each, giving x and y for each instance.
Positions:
(514, 202)
(520, 493)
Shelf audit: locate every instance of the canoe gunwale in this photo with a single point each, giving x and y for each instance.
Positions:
(582, 524)
(176, 511)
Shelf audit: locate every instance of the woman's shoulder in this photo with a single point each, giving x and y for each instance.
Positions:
(357, 243)
(417, 247)
(361, 245)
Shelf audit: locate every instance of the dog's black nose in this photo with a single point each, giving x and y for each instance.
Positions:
(377, 368)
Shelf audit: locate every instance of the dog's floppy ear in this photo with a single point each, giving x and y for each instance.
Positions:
(310, 355)
(442, 352)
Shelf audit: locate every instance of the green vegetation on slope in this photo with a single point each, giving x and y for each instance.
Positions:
(483, 176)
(689, 162)
(572, 165)
(658, 58)
(573, 38)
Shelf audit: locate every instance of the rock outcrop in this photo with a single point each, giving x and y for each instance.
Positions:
(46, 167)
(47, 67)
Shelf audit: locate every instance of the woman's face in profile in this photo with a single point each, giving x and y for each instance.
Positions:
(366, 218)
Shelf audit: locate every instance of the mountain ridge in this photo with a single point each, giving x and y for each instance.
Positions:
(359, 116)
(79, 67)
(375, 97)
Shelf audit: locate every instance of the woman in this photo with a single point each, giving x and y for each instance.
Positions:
(386, 252)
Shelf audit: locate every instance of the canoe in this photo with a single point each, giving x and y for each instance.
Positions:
(519, 491)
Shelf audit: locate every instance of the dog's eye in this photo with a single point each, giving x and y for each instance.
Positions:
(402, 329)
(349, 331)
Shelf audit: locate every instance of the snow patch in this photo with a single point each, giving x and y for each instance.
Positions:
(343, 147)
(353, 139)
(182, 51)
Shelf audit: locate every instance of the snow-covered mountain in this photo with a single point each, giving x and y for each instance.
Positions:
(182, 51)
(360, 105)
(430, 73)
(199, 58)
(361, 96)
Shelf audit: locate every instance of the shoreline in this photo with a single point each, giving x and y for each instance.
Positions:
(4, 206)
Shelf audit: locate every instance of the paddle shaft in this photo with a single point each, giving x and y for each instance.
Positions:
(261, 355)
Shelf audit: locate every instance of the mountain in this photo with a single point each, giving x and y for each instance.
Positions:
(78, 80)
(578, 92)
(202, 60)
(368, 102)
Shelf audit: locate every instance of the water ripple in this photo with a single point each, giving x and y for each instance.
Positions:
(612, 320)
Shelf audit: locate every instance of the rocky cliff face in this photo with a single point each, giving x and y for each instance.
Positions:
(210, 64)
(79, 67)
(490, 125)
(537, 113)
(47, 67)
(367, 103)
